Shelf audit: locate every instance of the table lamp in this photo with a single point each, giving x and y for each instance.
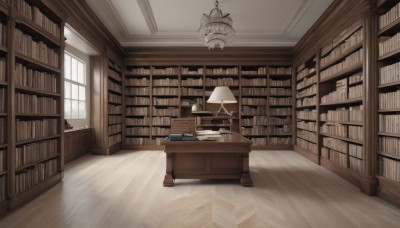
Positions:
(222, 95)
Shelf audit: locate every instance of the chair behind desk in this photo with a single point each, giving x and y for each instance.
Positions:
(183, 126)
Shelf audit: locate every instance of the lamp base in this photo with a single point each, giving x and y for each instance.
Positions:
(222, 111)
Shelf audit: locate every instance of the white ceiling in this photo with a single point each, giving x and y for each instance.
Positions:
(175, 22)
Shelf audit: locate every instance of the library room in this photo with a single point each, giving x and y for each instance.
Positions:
(187, 113)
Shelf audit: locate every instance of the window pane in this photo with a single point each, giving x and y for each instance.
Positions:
(74, 72)
(67, 109)
(82, 93)
(82, 110)
(75, 92)
(74, 110)
(81, 73)
(67, 66)
(67, 89)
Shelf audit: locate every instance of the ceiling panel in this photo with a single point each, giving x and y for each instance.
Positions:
(175, 22)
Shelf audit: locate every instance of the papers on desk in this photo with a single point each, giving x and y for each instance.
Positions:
(207, 137)
(208, 132)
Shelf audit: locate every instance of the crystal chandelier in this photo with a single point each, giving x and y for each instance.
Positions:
(216, 29)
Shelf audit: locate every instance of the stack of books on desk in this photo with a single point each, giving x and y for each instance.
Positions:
(181, 137)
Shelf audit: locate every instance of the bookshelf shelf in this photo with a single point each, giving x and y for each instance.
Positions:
(342, 138)
(393, 84)
(312, 73)
(342, 56)
(306, 106)
(345, 72)
(389, 134)
(346, 102)
(36, 140)
(397, 157)
(389, 110)
(35, 91)
(390, 56)
(18, 169)
(307, 95)
(390, 29)
(34, 64)
(343, 122)
(35, 30)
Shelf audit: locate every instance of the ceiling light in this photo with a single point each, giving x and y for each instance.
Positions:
(216, 28)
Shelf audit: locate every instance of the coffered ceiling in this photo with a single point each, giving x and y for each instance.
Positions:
(261, 23)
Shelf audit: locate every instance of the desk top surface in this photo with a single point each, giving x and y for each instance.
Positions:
(232, 138)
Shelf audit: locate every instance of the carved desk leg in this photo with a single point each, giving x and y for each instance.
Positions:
(246, 180)
(169, 179)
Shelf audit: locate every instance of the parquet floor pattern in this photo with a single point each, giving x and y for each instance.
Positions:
(125, 190)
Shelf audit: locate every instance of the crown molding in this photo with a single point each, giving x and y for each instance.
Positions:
(148, 15)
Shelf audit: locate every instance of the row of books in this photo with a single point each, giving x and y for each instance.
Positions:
(33, 104)
(164, 71)
(114, 109)
(161, 120)
(142, 91)
(166, 91)
(186, 70)
(259, 70)
(356, 132)
(356, 92)
(138, 70)
(192, 92)
(306, 101)
(32, 129)
(33, 13)
(335, 129)
(348, 43)
(335, 144)
(305, 72)
(307, 114)
(165, 112)
(138, 131)
(356, 165)
(390, 16)
(342, 94)
(264, 130)
(255, 91)
(3, 67)
(114, 75)
(287, 82)
(390, 145)
(264, 120)
(280, 140)
(307, 92)
(166, 82)
(114, 119)
(388, 44)
(137, 100)
(353, 114)
(259, 141)
(255, 111)
(192, 82)
(138, 141)
(254, 81)
(389, 100)
(3, 35)
(114, 86)
(389, 123)
(137, 81)
(280, 101)
(114, 129)
(254, 101)
(306, 82)
(34, 79)
(3, 130)
(338, 158)
(37, 50)
(389, 74)
(309, 146)
(114, 98)
(280, 111)
(35, 174)
(114, 67)
(355, 151)
(280, 92)
(2, 100)
(389, 168)
(307, 135)
(160, 131)
(351, 60)
(280, 70)
(3, 184)
(227, 81)
(358, 77)
(233, 70)
(284, 129)
(3, 160)
(138, 111)
(138, 121)
(34, 152)
(310, 126)
(166, 101)
(114, 139)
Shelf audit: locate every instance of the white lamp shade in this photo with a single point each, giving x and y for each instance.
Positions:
(222, 95)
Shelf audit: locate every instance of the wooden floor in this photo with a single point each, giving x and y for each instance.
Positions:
(125, 190)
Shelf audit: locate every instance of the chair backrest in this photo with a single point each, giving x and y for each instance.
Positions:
(183, 126)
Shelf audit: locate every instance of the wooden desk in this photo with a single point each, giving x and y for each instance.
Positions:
(225, 158)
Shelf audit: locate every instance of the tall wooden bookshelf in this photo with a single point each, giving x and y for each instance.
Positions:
(115, 108)
(388, 155)
(31, 100)
(306, 109)
(155, 94)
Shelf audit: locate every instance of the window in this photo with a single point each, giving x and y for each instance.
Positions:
(74, 88)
